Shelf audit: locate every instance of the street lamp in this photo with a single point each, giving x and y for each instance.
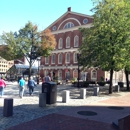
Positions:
(66, 73)
(38, 59)
(78, 55)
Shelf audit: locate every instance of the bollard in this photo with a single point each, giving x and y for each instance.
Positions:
(42, 99)
(65, 96)
(96, 91)
(8, 107)
(82, 93)
(117, 88)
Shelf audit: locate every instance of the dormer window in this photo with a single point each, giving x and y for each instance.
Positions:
(69, 25)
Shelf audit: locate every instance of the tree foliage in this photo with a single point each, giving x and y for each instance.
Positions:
(28, 42)
(105, 44)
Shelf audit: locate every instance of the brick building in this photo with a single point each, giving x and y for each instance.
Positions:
(63, 60)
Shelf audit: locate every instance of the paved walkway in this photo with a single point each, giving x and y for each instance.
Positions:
(29, 116)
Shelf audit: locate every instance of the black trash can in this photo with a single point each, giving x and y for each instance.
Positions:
(121, 84)
(8, 107)
(50, 88)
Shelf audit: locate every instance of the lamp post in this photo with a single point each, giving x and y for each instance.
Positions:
(78, 55)
(66, 73)
(38, 59)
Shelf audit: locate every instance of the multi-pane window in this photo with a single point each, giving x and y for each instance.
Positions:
(45, 72)
(53, 59)
(76, 41)
(60, 74)
(46, 60)
(60, 43)
(60, 58)
(67, 57)
(94, 75)
(68, 25)
(75, 74)
(68, 42)
(75, 58)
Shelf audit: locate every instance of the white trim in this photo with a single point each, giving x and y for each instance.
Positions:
(52, 58)
(75, 39)
(67, 39)
(59, 43)
(59, 58)
(72, 29)
(59, 67)
(92, 73)
(65, 50)
(69, 19)
(67, 54)
(74, 57)
(68, 12)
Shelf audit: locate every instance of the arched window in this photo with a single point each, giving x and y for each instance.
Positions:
(60, 43)
(68, 42)
(75, 58)
(60, 74)
(68, 25)
(75, 74)
(47, 60)
(94, 75)
(45, 72)
(76, 41)
(60, 58)
(67, 57)
(53, 59)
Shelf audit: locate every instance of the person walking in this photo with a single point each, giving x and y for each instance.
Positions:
(47, 78)
(21, 87)
(2, 86)
(31, 85)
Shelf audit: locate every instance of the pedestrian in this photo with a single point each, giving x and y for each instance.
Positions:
(2, 86)
(31, 85)
(21, 87)
(47, 78)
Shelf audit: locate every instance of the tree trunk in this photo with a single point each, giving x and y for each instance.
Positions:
(111, 82)
(127, 79)
(30, 68)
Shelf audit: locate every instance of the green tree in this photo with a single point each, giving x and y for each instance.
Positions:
(104, 44)
(28, 42)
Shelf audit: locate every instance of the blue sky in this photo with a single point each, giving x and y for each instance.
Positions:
(14, 14)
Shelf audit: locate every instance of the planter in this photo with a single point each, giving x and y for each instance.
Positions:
(101, 83)
(85, 84)
(92, 82)
(121, 84)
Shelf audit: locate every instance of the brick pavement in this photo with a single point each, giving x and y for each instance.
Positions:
(28, 113)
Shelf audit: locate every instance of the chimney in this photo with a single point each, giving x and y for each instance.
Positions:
(69, 9)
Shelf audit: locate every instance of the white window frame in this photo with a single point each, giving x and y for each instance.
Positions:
(53, 58)
(67, 57)
(68, 25)
(75, 58)
(76, 41)
(68, 42)
(45, 72)
(94, 76)
(75, 71)
(60, 45)
(60, 58)
(60, 74)
(46, 60)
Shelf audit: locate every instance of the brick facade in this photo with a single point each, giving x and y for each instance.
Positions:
(68, 70)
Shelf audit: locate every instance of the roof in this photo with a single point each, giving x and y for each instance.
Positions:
(24, 66)
(66, 14)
